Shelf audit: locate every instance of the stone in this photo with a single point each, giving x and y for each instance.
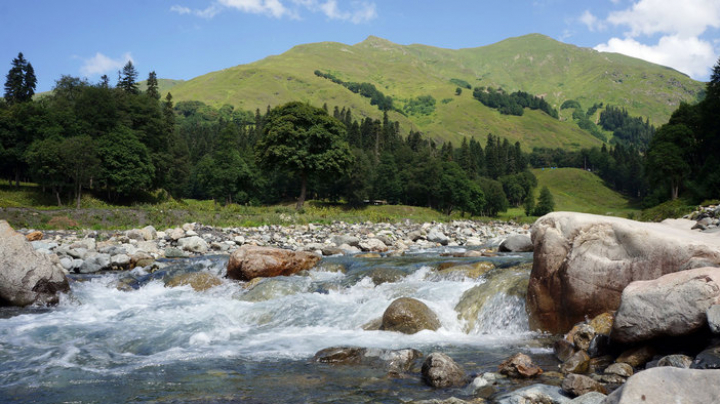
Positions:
(474, 271)
(713, 318)
(340, 239)
(248, 262)
(577, 385)
(199, 281)
(135, 234)
(637, 356)
(671, 305)
(409, 316)
(582, 262)
(535, 394)
(194, 244)
(340, 355)
(120, 261)
(382, 275)
(516, 243)
(707, 359)
(436, 235)
(141, 259)
(664, 385)
(563, 349)
(600, 363)
(149, 233)
(620, 369)
(175, 234)
(26, 276)
(373, 245)
(34, 236)
(519, 366)
(602, 323)
(677, 361)
(578, 363)
(599, 346)
(95, 262)
(592, 397)
(440, 371)
(172, 252)
(583, 336)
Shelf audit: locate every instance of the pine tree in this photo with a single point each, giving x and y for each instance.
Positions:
(20, 81)
(546, 203)
(152, 86)
(128, 78)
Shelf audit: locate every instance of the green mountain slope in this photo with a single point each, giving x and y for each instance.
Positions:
(578, 190)
(532, 63)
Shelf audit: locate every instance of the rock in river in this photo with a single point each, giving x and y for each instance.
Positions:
(408, 316)
(440, 371)
(248, 262)
(26, 276)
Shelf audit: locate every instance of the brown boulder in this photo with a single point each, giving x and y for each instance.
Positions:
(26, 276)
(408, 316)
(249, 262)
(519, 365)
(582, 263)
(34, 236)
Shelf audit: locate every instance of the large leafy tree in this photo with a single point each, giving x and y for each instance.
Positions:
(304, 140)
(20, 81)
(126, 167)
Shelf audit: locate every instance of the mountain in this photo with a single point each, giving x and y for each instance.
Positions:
(533, 63)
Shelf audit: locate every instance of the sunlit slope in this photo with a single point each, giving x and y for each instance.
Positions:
(532, 63)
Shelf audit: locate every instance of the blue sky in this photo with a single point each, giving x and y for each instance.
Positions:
(182, 39)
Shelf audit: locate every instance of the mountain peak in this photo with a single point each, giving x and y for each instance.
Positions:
(376, 41)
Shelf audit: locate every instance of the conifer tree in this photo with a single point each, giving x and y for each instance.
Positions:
(152, 86)
(128, 78)
(20, 81)
(546, 203)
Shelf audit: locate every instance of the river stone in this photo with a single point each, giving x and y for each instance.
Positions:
(519, 366)
(340, 239)
(199, 281)
(382, 275)
(620, 369)
(176, 234)
(437, 236)
(141, 259)
(563, 349)
(578, 363)
(664, 385)
(34, 236)
(340, 355)
(172, 252)
(194, 244)
(474, 271)
(149, 233)
(248, 262)
(637, 356)
(592, 397)
(713, 317)
(602, 323)
(373, 245)
(516, 243)
(535, 394)
(440, 371)
(672, 305)
(120, 261)
(94, 262)
(677, 361)
(135, 234)
(583, 336)
(27, 277)
(577, 385)
(408, 316)
(707, 359)
(582, 262)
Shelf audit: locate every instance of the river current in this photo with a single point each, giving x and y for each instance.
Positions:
(150, 343)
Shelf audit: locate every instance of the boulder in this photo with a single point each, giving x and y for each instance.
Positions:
(26, 276)
(199, 281)
(672, 305)
(95, 262)
(664, 385)
(582, 262)
(193, 244)
(440, 371)
(579, 362)
(516, 243)
(249, 262)
(408, 316)
(373, 244)
(149, 233)
(578, 385)
(340, 239)
(437, 236)
(519, 366)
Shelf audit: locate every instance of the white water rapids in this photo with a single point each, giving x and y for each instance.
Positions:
(100, 338)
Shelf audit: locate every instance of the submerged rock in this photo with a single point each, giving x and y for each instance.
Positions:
(409, 316)
(248, 262)
(26, 276)
(519, 366)
(199, 281)
(394, 361)
(440, 371)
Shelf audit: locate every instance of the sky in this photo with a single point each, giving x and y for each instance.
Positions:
(182, 39)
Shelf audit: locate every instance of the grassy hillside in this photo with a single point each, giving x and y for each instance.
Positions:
(532, 63)
(578, 190)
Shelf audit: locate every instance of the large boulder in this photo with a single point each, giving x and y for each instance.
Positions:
(440, 371)
(249, 262)
(668, 385)
(672, 305)
(408, 316)
(582, 263)
(26, 276)
(516, 243)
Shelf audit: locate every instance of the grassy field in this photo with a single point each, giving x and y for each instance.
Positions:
(578, 190)
(532, 63)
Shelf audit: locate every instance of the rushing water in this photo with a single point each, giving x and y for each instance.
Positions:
(230, 344)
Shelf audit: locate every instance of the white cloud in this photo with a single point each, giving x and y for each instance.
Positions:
(679, 26)
(358, 12)
(688, 55)
(101, 64)
(592, 22)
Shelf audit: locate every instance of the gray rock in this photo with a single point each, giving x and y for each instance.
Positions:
(707, 359)
(516, 243)
(592, 397)
(374, 245)
(620, 369)
(440, 371)
(194, 244)
(713, 318)
(120, 261)
(340, 239)
(135, 234)
(172, 252)
(94, 262)
(43, 245)
(578, 385)
(437, 236)
(677, 361)
(149, 233)
(27, 277)
(672, 305)
(66, 263)
(664, 385)
(536, 393)
(175, 234)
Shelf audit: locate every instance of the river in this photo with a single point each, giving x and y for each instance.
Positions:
(155, 344)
